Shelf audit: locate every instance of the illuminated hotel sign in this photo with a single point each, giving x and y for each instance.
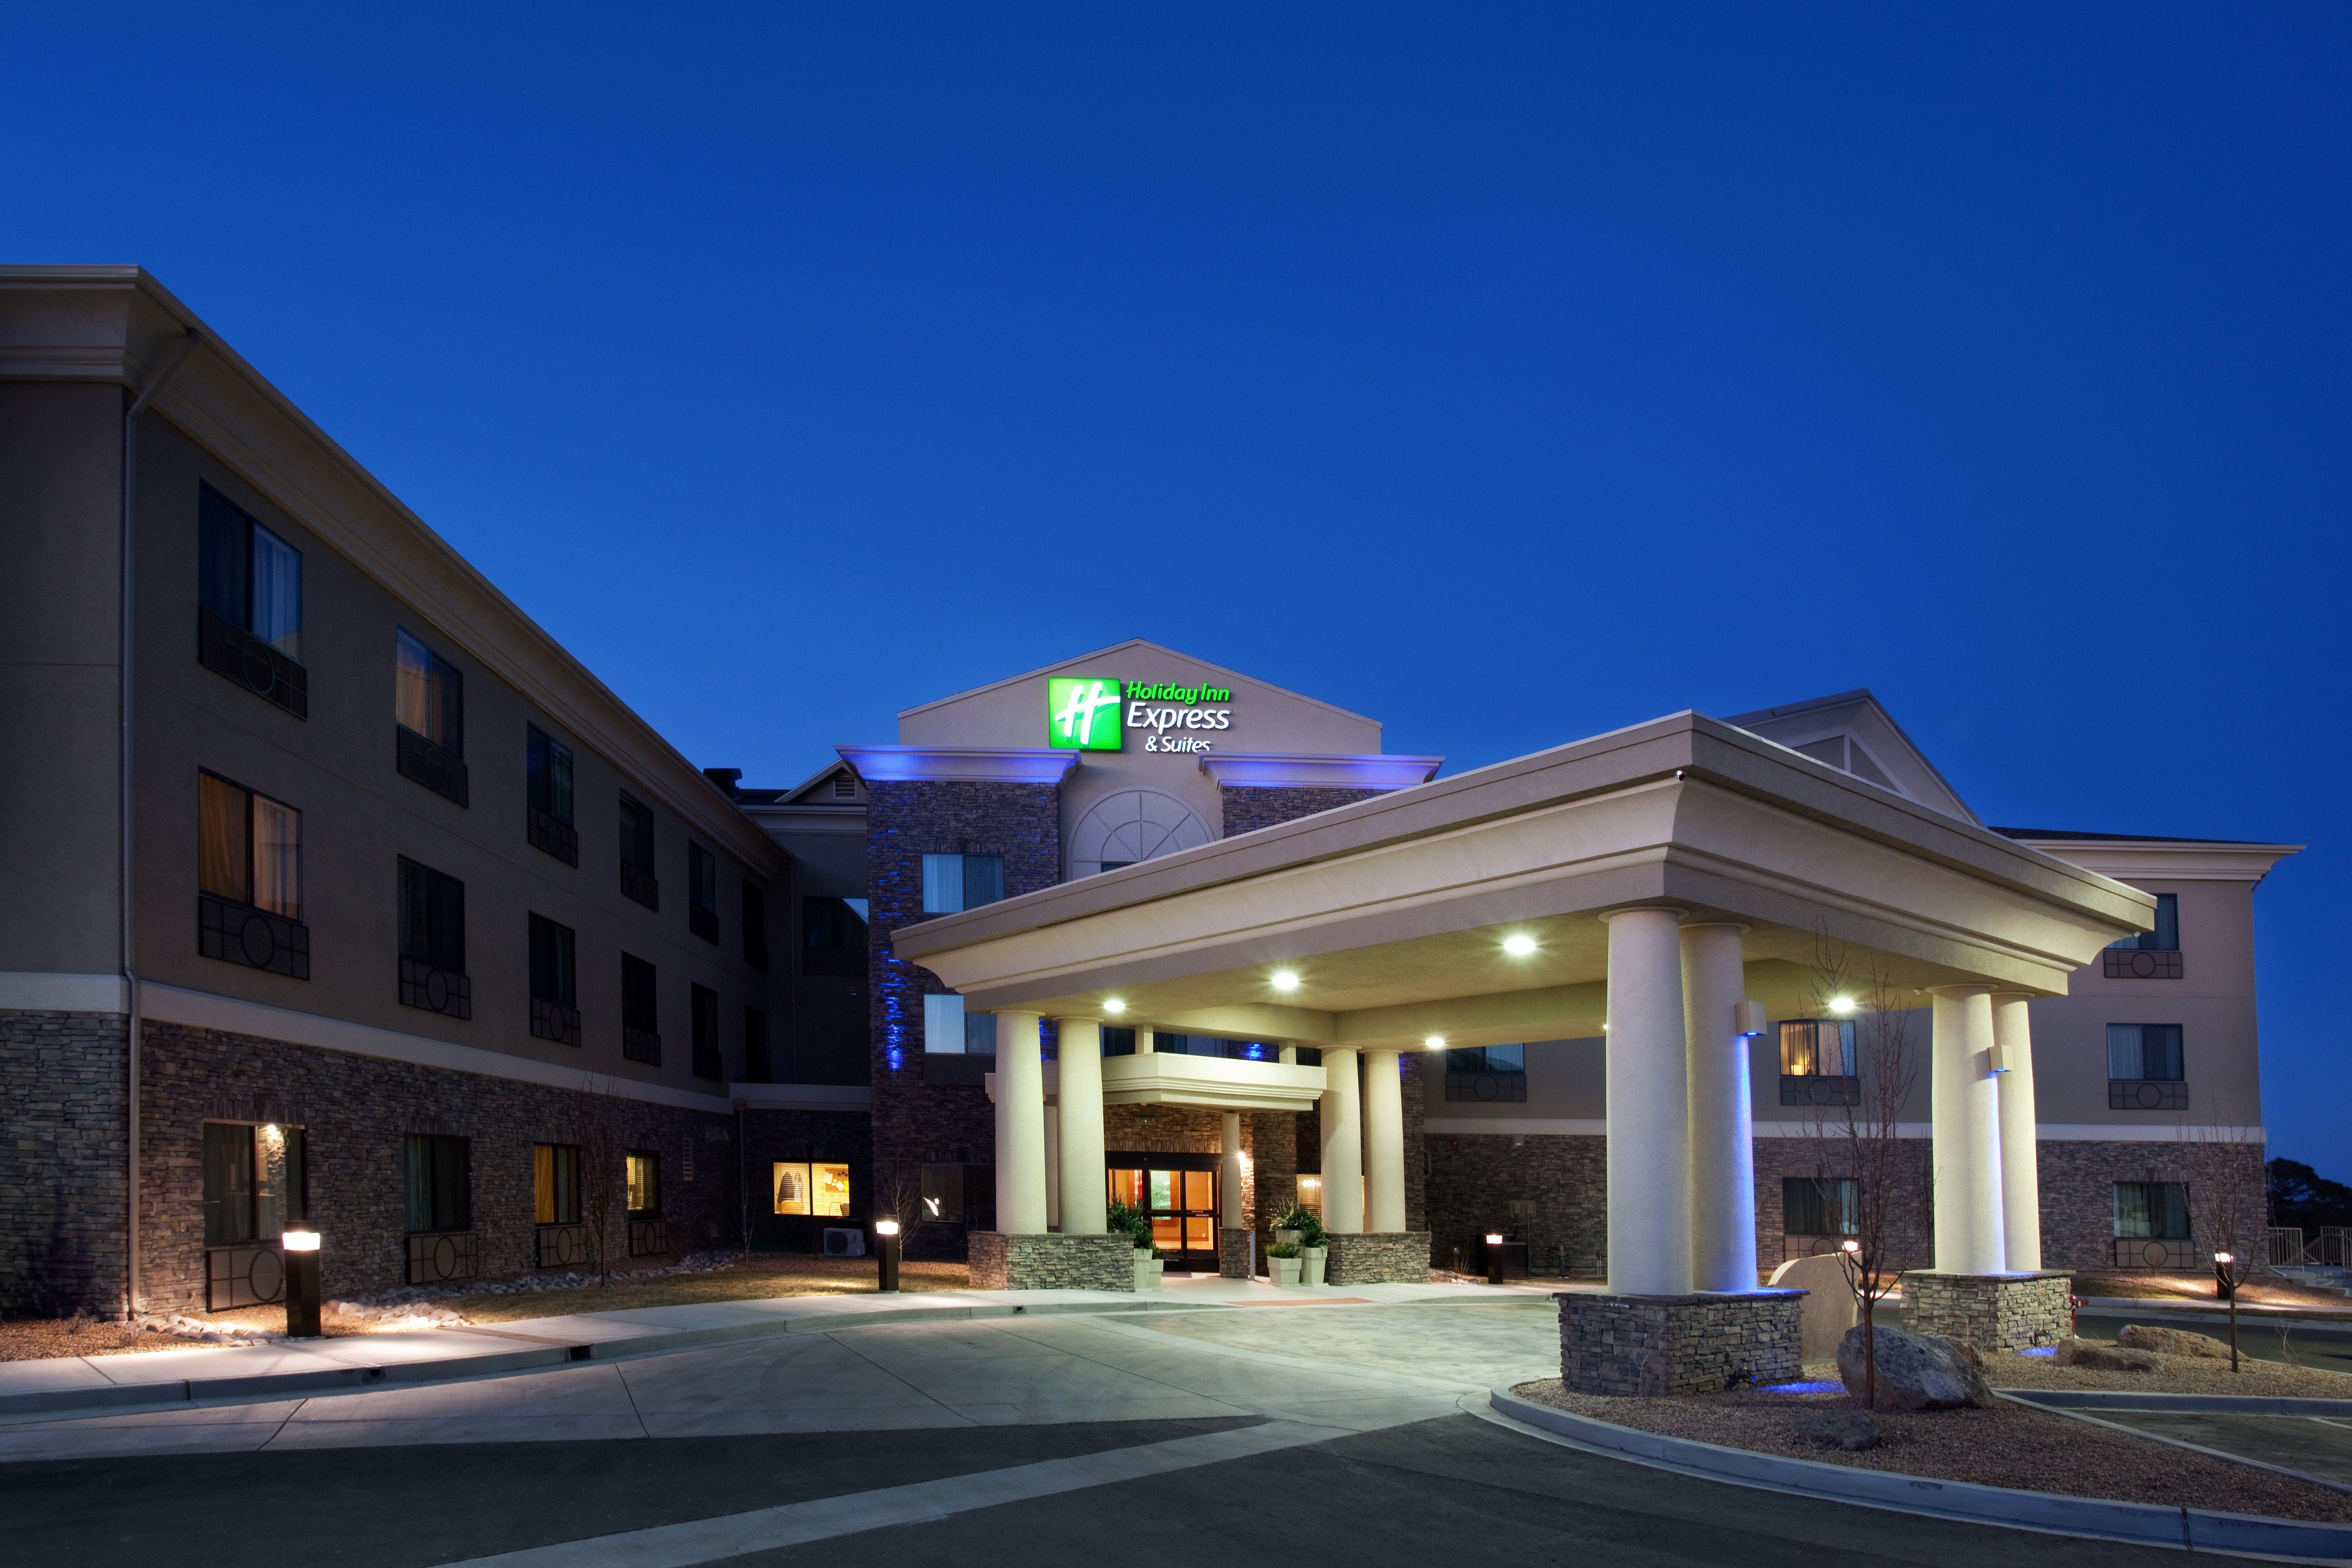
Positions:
(1087, 714)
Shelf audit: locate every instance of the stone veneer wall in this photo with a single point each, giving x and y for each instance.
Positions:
(1651, 1345)
(1273, 1171)
(63, 1157)
(1475, 1179)
(836, 1137)
(1997, 1313)
(1375, 1258)
(1910, 1228)
(1051, 1261)
(356, 1110)
(936, 1111)
(1246, 808)
(1233, 1252)
(2078, 1199)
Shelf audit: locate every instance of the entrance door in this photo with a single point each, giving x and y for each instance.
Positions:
(1178, 1193)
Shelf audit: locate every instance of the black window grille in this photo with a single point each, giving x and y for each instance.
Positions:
(637, 880)
(2150, 954)
(548, 796)
(702, 891)
(432, 942)
(704, 1008)
(249, 604)
(1497, 1073)
(554, 988)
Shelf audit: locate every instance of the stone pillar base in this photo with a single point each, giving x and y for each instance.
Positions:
(1377, 1257)
(1233, 1252)
(1701, 1343)
(1045, 1260)
(1995, 1313)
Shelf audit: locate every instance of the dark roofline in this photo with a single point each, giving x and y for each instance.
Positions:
(2084, 836)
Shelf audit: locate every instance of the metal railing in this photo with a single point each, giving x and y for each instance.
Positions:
(1508, 1088)
(448, 1255)
(648, 1236)
(228, 650)
(2143, 963)
(554, 1021)
(2153, 1252)
(641, 1045)
(1811, 1089)
(434, 765)
(250, 1274)
(640, 884)
(239, 933)
(560, 839)
(436, 990)
(2146, 1094)
(562, 1247)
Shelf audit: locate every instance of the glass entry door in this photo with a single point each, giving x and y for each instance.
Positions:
(1178, 1193)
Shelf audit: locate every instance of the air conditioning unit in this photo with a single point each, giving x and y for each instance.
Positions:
(842, 1242)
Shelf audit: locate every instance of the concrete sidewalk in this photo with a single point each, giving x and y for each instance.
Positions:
(214, 1373)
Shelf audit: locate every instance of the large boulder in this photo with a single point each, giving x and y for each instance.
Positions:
(1917, 1371)
(2102, 1357)
(2171, 1342)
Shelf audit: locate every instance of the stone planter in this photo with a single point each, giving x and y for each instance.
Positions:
(1147, 1270)
(1310, 1262)
(1285, 1271)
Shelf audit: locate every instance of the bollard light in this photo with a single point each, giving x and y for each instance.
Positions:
(885, 1231)
(1494, 1258)
(2225, 1284)
(301, 1249)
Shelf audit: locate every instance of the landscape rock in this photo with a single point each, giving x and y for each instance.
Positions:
(2171, 1342)
(1851, 1430)
(1917, 1371)
(2102, 1357)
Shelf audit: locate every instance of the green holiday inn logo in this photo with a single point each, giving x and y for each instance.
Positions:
(1083, 714)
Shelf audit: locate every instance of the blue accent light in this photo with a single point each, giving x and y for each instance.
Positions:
(1814, 1385)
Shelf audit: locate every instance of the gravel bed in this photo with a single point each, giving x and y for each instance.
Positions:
(2009, 1445)
(47, 1338)
(2175, 1375)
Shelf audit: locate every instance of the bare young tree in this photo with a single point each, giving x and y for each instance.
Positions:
(604, 1175)
(2227, 1188)
(1856, 1135)
(899, 1194)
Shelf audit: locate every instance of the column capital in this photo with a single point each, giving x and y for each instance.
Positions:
(2001, 996)
(1605, 916)
(1741, 926)
(1969, 989)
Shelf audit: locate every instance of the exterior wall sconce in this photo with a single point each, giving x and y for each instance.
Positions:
(1747, 1018)
(301, 1284)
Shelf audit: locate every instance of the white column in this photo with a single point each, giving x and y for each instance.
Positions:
(1649, 1107)
(1383, 1144)
(2020, 1181)
(1080, 1173)
(1722, 1161)
(1343, 1143)
(1020, 1126)
(1963, 1103)
(1052, 1166)
(1229, 1172)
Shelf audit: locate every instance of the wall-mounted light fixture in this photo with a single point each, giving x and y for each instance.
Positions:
(1747, 1018)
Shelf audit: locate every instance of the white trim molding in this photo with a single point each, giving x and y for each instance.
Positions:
(971, 764)
(23, 992)
(2047, 1132)
(1302, 769)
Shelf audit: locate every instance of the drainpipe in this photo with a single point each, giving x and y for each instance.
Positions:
(131, 1300)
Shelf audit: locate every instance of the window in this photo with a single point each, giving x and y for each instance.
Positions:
(1817, 1062)
(702, 891)
(249, 604)
(960, 1193)
(2153, 954)
(833, 936)
(254, 1182)
(1117, 1041)
(1486, 1072)
(2155, 1211)
(249, 879)
(640, 1017)
(1819, 1205)
(555, 982)
(2165, 938)
(703, 1008)
(815, 1188)
(637, 852)
(429, 703)
(432, 942)
(2145, 1068)
(948, 1029)
(555, 1183)
(546, 808)
(645, 1183)
(437, 1185)
(956, 882)
(755, 925)
(755, 1046)
(1167, 1045)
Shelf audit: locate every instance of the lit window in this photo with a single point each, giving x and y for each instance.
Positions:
(2143, 1053)
(1817, 1048)
(249, 847)
(948, 1029)
(816, 1188)
(953, 883)
(645, 1185)
(555, 1183)
(428, 697)
(247, 575)
(2152, 1211)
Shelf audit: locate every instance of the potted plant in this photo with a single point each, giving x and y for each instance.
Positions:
(1301, 1228)
(1282, 1263)
(1132, 1222)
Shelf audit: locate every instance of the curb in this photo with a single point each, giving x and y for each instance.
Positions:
(327, 1379)
(2179, 1404)
(2142, 1524)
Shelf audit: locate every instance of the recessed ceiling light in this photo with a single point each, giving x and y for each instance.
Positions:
(1114, 1006)
(1520, 946)
(1841, 1003)
(1435, 1043)
(1284, 981)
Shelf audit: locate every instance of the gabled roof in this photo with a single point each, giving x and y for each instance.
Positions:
(1132, 643)
(1854, 733)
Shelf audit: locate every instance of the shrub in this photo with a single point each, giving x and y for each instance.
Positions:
(1134, 1222)
(1302, 1220)
(1283, 1248)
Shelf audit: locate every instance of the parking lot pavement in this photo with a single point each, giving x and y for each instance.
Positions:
(2315, 1445)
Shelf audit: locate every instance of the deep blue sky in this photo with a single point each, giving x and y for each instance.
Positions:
(1506, 374)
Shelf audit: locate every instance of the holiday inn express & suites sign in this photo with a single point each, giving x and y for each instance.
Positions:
(1086, 713)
